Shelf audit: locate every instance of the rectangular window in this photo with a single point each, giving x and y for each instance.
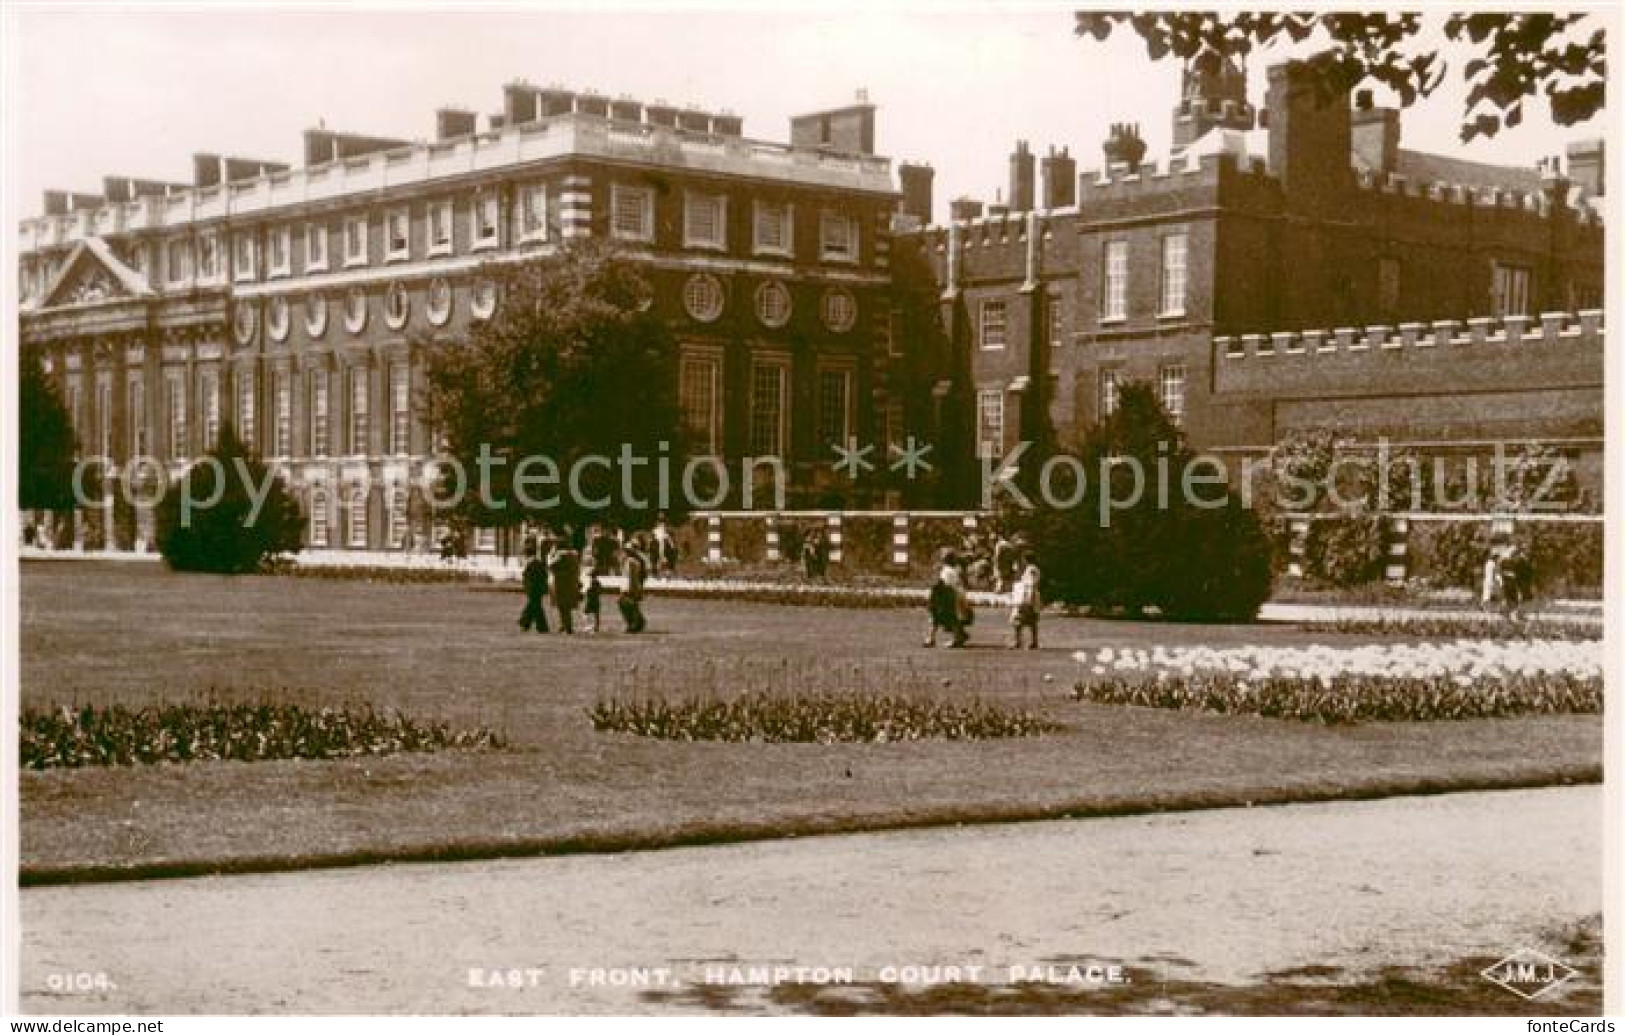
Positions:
(485, 540)
(138, 416)
(283, 446)
(631, 213)
(208, 255)
(208, 390)
(318, 517)
(1114, 291)
(76, 416)
(397, 517)
(245, 408)
(315, 247)
(1174, 247)
(487, 213)
(1055, 310)
(705, 221)
(837, 237)
(834, 406)
(1108, 393)
(175, 387)
(1171, 391)
(104, 417)
(892, 427)
(178, 260)
(990, 423)
(281, 258)
(321, 399)
(440, 214)
(355, 240)
(773, 230)
(991, 325)
(398, 234)
(360, 427)
(533, 213)
(769, 391)
(1388, 286)
(1510, 291)
(243, 257)
(700, 397)
(358, 519)
(400, 413)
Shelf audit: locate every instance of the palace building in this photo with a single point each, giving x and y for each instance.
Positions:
(1284, 268)
(297, 301)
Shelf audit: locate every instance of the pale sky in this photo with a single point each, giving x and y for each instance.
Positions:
(135, 92)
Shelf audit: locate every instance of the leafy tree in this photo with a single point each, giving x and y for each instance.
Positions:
(575, 364)
(219, 530)
(1122, 542)
(45, 444)
(1511, 57)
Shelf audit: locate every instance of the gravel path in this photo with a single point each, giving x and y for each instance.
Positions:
(1223, 896)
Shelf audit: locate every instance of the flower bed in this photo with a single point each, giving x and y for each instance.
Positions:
(812, 718)
(1456, 680)
(1450, 628)
(65, 737)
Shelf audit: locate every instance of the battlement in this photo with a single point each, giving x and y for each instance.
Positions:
(1549, 330)
(1536, 202)
(1190, 108)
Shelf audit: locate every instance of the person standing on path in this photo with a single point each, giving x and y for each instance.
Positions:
(564, 564)
(636, 570)
(944, 602)
(535, 580)
(594, 601)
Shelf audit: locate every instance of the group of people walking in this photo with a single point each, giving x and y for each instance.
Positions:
(950, 608)
(555, 570)
(1508, 580)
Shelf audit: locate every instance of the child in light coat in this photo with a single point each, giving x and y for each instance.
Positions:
(1025, 605)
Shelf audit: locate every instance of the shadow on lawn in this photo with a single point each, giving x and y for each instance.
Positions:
(1458, 989)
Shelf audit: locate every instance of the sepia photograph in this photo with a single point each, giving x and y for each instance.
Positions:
(682, 510)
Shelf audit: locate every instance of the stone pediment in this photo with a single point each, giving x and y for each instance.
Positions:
(93, 275)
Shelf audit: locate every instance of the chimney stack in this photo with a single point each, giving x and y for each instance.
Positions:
(453, 122)
(1586, 168)
(519, 103)
(961, 209)
(553, 101)
(1124, 147)
(916, 181)
(1058, 175)
(1311, 139)
(1374, 134)
(1021, 178)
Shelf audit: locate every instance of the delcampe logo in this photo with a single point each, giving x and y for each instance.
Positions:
(1528, 973)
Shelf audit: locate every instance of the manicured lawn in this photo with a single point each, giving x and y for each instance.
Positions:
(136, 633)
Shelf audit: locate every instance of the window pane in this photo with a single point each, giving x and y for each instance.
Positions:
(1115, 297)
(698, 391)
(767, 409)
(834, 393)
(990, 423)
(1173, 274)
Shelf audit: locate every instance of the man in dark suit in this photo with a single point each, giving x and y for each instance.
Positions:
(535, 578)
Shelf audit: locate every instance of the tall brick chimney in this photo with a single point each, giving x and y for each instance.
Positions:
(1311, 140)
(1058, 175)
(961, 209)
(1586, 168)
(1124, 147)
(1374, 134)
(1021, 178)
(916, 181)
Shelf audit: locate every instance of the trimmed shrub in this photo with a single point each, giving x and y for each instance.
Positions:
(1486, 628)
(744, 539)
(1345, 550)
(221, 531)
(1566, 557)
(1449, 553)
(866, 542)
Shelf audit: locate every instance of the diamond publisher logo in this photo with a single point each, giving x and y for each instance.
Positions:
(1528, 973)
